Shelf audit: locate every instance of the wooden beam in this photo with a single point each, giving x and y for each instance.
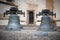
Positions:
(8, 3)
(50, 4)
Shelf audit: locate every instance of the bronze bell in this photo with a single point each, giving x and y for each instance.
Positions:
(46, 22)
(14, 22)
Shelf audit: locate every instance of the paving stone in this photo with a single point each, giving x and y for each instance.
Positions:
(26, 35)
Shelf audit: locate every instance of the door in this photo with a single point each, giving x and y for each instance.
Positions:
(31, 17)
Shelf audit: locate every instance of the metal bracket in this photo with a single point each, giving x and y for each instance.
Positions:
(13, 10)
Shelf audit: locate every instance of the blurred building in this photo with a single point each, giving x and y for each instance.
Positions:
(31, 8)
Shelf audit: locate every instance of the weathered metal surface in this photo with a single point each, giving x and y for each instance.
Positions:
(14, 23)
(46, 22)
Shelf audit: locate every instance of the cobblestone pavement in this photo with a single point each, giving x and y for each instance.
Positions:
(28, 35)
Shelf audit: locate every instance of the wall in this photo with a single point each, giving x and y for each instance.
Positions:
(23, 5)
(50, 5)
(57, 10)
(3, 8)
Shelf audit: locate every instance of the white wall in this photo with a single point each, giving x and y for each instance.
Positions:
(4, 7)
(57, 10)
(23, 6)
(42, 5)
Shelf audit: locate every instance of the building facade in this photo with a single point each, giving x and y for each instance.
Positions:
(31, 8)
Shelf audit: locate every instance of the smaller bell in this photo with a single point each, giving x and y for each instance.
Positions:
(46, 22)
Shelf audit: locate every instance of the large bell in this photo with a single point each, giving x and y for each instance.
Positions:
(46, 22)
(14, 21)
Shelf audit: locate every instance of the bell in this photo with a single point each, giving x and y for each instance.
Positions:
(14, 22)
(46, 22)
